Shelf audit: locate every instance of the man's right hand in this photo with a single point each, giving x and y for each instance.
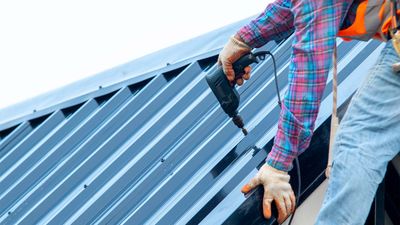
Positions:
(232, 51)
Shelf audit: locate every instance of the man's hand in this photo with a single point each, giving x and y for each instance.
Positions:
(232, 51)
(276, 188)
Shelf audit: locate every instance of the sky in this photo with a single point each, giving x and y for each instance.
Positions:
(46, 44)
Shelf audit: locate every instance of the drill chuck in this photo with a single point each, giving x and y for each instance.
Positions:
(238, 121)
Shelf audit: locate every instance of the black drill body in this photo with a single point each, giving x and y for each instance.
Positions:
(227, 95)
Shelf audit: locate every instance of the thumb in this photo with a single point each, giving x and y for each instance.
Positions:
(228, 70)
(254, 182)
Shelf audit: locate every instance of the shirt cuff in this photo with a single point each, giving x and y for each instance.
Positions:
(250, 37)
(280, 159)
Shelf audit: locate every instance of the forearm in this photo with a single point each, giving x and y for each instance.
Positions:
(275, 23)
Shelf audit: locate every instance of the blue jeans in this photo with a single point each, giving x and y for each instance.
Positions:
(367, 139)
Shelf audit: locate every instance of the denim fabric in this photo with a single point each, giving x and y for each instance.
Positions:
(367, 139)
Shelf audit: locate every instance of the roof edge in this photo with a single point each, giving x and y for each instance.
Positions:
(138, 70)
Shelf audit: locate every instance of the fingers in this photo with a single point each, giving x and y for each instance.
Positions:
(239, 81)
(281, 206)
(288, 204)
(254, 182)
(230, 73)
(293, 200)
(247, 69)
(267, 200)
(246, 74)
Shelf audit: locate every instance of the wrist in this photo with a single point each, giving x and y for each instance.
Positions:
(238, 37)
(238, 41)
(275, 170)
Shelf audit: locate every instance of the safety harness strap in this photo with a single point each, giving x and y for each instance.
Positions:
(334, 118)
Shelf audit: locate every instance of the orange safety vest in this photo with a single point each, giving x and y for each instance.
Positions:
(373, 20)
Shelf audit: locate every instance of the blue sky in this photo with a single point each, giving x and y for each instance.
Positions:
(46, 44)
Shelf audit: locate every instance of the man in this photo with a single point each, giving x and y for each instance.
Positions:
(368, 136)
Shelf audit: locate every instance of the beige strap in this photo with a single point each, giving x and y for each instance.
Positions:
(334, 119)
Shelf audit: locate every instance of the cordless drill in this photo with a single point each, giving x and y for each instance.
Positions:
(226, 94)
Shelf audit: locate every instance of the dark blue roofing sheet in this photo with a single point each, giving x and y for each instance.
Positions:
(159, 151)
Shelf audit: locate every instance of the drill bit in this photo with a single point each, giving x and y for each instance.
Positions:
(238, 121)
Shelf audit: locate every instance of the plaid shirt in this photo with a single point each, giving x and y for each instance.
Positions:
(315, 24)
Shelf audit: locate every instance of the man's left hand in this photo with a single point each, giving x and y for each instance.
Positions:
(276, 188)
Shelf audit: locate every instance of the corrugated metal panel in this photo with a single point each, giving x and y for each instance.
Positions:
(163, 153)
(14, 136)
(138, 70)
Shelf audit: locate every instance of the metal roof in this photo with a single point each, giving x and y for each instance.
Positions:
(136, 71)
(159, 151)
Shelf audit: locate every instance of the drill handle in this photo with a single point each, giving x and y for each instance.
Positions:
(243, 62)
(246, 60)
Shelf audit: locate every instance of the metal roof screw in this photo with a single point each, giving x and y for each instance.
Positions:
(34, 110)
(168, 63)
(100, 87)
(9, 213)
(85, 186)
(162, 160)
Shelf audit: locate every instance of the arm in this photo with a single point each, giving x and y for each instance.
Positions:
(275, 23)
(316, 25)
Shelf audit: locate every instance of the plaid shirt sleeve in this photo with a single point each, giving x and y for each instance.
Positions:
(315, 24)
(275, 23)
